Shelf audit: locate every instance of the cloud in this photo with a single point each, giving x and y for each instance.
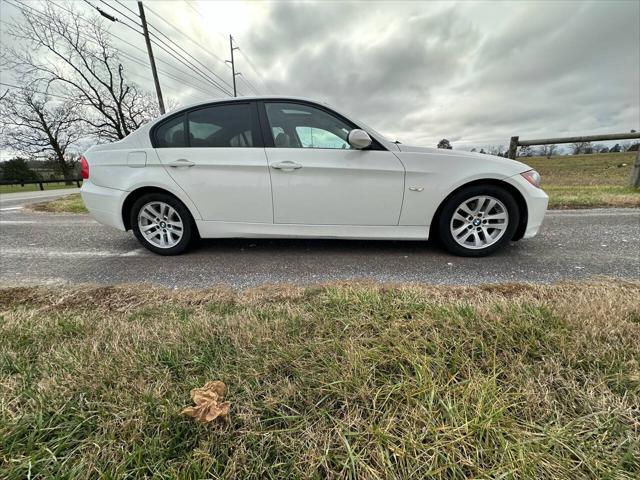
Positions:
(423, 72)
(473, 72)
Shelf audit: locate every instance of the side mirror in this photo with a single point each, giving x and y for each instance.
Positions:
(358, 139)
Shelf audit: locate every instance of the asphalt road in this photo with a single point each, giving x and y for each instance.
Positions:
(38, 248)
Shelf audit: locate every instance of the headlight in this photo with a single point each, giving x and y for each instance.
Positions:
(532, 177)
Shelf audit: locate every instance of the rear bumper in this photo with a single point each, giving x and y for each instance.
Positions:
(537, 202)
(104, 204)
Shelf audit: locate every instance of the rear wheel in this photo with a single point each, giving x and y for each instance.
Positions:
(162, 224)
(478, 220)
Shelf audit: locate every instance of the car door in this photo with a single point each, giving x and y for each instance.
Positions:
(318, 179)
(215, 154)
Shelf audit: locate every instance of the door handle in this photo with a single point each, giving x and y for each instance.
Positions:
(286, 166)
(181, 162)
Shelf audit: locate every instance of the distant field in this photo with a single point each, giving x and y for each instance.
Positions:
(583, 181)
(31, 188)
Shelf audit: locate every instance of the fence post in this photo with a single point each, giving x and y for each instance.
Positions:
(635, 172)
(513, 147)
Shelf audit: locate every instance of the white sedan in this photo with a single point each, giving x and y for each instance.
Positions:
(287, 167)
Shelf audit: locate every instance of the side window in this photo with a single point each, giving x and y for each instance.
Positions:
(221, 126)
(170, 134)
(302, 126)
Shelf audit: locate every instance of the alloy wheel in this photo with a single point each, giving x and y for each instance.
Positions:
(160, 224)
(479, 222)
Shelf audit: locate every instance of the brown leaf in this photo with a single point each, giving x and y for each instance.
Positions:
(209, 402)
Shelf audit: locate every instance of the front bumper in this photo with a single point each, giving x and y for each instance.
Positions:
(537, 202)
(104, 204)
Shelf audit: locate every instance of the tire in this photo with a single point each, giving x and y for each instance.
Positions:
(162, 224)
(465, 226)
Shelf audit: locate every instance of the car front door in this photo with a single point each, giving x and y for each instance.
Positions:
(215, 154)
(318, 179)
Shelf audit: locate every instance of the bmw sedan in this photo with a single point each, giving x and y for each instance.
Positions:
(290, 168)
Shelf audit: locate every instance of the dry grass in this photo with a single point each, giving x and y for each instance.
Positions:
(339, 381)
(67, 204)
(587, 181)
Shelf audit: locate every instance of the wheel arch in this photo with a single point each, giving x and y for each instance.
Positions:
(517, 195)
(137, 193)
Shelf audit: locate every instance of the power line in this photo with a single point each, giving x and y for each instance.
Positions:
(122, 52)
(249, 84)
(170, 75)
(251, 64)
(168, 49)
(193, 8)
(253, 67)
(102, 12)
(212, 55)
(197, 44)
(180, 58)
(189, 55)
(182, 81)
(134, 21)
(37, 91)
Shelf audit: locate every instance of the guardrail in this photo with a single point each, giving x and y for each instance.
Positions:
(41, 183)
(634, 179)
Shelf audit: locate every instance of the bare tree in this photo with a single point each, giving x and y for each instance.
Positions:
(496, 150)
(525, 151)
(74, 52)
(547, 150)
(35, 125)
(581, 147)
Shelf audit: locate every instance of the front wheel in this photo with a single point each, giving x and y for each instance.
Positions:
(478, 220)
(162, 224)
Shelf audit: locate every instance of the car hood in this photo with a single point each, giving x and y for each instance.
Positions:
(445, 154)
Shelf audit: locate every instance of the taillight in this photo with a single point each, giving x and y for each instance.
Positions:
(84, 168)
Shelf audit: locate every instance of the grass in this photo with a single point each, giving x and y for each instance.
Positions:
(338, 381)
(67, 204)
(587, 181)
(32, 188)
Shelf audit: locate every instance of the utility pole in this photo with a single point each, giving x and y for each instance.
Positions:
(151, 59)
(233, 65)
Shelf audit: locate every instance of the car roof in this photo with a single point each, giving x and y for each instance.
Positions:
(244, 99)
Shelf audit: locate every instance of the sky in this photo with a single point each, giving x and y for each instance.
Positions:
(475, 73)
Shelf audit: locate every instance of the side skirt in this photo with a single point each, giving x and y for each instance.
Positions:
(268, 230)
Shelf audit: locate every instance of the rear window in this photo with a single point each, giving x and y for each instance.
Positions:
(221, 126)
(170, 134)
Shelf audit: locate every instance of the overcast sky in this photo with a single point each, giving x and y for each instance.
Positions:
(473, 72)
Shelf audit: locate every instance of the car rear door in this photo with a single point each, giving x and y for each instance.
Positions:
(317, 178)
(216, 155)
